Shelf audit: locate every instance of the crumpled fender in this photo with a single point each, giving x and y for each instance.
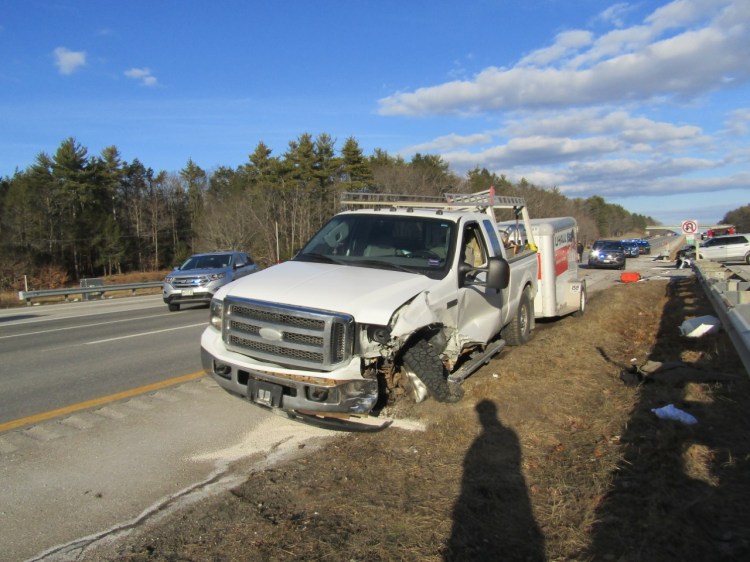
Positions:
(412, 316)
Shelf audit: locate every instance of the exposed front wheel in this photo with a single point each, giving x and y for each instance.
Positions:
(426, 372)
(518, 332)
(173, 307)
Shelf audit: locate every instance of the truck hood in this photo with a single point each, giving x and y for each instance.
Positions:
(370, 295)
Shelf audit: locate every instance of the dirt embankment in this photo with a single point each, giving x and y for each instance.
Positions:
(550, 455)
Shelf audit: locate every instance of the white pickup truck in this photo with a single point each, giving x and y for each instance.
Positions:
(398, 295)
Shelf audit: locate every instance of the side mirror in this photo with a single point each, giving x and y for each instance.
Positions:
(498, 273)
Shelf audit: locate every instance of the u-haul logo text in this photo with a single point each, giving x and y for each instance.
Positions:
(564, 238)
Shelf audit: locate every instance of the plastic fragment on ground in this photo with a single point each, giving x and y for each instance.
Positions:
(670, 412)
(630, 276)
(700, 326)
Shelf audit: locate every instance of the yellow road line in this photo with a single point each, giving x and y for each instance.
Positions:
(44, 416)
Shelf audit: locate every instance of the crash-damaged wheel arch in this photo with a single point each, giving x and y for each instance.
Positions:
(424, 369)
(419, 357)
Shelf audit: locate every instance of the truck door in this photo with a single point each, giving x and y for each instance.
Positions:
(479, 307)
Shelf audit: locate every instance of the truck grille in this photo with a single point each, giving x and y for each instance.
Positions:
(286, 335)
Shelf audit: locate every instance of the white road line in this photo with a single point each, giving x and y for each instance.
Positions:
(146, 333)
(81, 326)
(45, 314)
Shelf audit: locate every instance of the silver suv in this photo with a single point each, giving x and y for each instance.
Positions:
(196, 280)
(732, 247)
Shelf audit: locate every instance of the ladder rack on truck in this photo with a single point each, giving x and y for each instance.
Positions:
(483, 201)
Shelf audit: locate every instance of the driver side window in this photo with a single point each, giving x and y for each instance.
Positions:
(473, 251)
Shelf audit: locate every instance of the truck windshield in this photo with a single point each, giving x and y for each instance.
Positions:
(422, 245)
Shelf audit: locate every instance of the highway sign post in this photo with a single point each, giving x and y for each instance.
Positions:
(690, 227)
(690, 230)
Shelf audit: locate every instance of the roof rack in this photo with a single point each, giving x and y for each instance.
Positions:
(483, 201)
(456, 201)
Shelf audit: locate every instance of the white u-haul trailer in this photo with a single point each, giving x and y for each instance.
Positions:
(560, 289)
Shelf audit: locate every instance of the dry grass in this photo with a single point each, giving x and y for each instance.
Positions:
(548, 456)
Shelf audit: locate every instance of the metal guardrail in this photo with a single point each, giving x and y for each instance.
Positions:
(91, 291)
(729, 293)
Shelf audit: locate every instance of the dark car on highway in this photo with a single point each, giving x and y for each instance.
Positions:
(607, 253)
(631, 248)
(643, 245)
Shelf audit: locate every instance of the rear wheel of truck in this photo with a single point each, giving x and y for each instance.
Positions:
(518, 332)
(424, 369)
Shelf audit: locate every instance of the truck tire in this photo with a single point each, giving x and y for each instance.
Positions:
(582, 303)
(518, 332)
(422, 360)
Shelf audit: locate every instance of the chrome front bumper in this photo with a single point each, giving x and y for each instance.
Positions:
(296, 393)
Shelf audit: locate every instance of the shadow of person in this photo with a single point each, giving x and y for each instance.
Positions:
(492, 518)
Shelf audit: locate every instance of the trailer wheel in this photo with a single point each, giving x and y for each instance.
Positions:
(582, 305)
(518, 332)
(424, 369)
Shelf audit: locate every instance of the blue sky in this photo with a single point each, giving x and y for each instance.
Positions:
(645, 103)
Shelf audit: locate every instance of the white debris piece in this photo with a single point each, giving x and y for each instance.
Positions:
(700, 326)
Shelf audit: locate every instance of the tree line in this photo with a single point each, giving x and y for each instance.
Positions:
(73, 215)
(739, 217)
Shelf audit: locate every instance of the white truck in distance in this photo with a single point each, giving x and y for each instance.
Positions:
(398, 295)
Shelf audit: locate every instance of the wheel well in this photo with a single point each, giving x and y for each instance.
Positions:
(432, 333)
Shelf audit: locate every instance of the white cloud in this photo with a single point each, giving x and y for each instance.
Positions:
(615, 14)
(142, 74)
(598, 121)
(68, 61)
(449, 142)
(594, 151)
(738, 121)
(533, 150)
(565, 43)
(626, 178)
(637, 64)
(575, 136)
(654, 111)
